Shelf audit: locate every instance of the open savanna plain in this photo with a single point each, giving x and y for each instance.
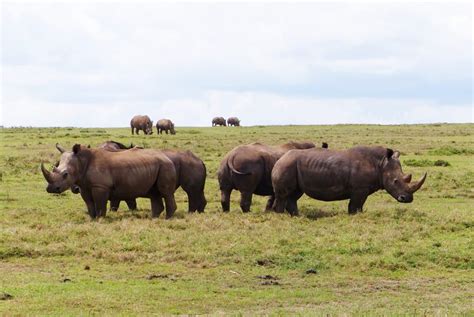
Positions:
(391, 259)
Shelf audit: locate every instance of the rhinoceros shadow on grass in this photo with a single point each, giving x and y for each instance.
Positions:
(315, 214)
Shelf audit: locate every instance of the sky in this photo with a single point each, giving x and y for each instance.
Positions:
(99, 64)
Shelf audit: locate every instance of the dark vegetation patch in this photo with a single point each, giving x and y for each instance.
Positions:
(425, 163)
(5, 296)
(450, 150)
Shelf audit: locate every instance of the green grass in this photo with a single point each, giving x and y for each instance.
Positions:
(391, 259)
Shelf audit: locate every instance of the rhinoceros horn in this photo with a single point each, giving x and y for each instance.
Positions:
(407, 178)
(46, 173)
(415, 186)
(60, 148)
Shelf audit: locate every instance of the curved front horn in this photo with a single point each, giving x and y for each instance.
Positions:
(60, 148)
(46, 173)
(414, 187)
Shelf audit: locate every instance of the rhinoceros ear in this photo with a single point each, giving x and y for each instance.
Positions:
(396, 154)
(389, 153)
(76, 148)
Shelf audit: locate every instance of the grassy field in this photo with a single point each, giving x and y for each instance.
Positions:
(393, 258)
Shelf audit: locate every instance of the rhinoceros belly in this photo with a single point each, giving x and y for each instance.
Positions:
(132, 187)
(328, 194)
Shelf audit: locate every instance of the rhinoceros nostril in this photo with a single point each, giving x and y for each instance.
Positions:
(402, 198)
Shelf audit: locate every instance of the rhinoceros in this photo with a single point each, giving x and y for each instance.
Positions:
(165, 125)
(248, 168)
(107, 145)
(190, 175)
(233, 121)
(218, 121)
(102, 175)
(333, 175)
(141, 123)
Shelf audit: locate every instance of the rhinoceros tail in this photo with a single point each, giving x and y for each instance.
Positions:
(235, 171)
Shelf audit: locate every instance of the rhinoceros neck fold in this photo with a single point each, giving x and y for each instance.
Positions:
(84, 160)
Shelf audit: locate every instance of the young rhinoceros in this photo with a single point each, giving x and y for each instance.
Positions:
(190, 176)
(338, 175)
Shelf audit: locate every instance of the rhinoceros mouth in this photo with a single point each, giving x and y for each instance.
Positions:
(405, 198)
(53, 189)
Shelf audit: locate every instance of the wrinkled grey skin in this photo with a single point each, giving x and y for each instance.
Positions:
(165, 125)
(142, 123)
(331, 175)
(190, 176)
(218, 121)
(102, 175)
(233, 121)
(247, 168)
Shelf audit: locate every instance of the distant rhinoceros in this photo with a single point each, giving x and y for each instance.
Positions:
(233, 121)
(103, 175)
(190, 176)
(218, 121)
(338, 175)
(165, 125)
(141, 123)
(248, 168)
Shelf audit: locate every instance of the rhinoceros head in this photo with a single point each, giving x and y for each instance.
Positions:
(64, 174)
(149, 128)
(396, 183)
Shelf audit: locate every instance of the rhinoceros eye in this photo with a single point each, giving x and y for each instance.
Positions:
(395, 181)
(65, 175)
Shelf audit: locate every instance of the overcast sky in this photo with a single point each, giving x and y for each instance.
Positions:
(97, 65)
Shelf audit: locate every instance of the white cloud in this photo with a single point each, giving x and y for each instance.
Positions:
(182, 57)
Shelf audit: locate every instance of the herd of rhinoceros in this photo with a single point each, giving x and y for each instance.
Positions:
(114, 172)
(145, 124)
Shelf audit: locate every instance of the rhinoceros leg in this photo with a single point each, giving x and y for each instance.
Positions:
(245, 200)
(114, 205)
(132, 204)
(87, 197)
(202, 202)
(292, 207)
(225, 199)
(100, 197)
(193, 201)
(291, 203)
(156, 207)
(280, 203)
(170, 205)
(270, 203)
(357, 202)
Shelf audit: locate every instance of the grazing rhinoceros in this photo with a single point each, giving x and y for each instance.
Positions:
(107, 145)
(141, 123)
(248, 168)
(190, 175)
(233, 121)
(338, 175)
(165, 125)
(218, 121)
(102, 175)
